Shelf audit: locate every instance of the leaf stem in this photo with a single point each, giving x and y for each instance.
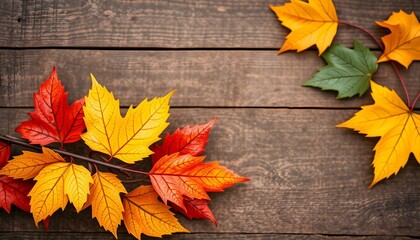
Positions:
(397, 71)
(18, 141)
(415, 101)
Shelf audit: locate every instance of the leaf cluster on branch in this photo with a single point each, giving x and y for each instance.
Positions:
(351, 72)
(41, 182)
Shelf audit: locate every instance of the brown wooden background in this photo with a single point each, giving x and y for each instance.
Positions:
(309, 179)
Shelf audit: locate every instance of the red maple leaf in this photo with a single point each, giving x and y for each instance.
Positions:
(4, 153)
(12, 191)
(175, 177)
(189, 140)
(53, 119)
(196, 208)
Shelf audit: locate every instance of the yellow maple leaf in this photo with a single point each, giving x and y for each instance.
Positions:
(403, 43)
(128, 138)
(105, 199)
(29, 164)
(144, 213)
(311, 23)
(398, 127)
(56, 184)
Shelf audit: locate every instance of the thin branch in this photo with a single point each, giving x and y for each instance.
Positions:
(397, 71)
(18, 141)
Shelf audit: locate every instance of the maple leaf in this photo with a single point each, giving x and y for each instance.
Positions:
(175, 176)
(189, 140)
(53, 120)
(128, 138)
(56, 184)
(403, 44)
(348, 71)
(4, 153)
(311, 23)
(144, 213)
(29, 164)
(105, 199)
(14, 191)
(398, 127)
(196, 208)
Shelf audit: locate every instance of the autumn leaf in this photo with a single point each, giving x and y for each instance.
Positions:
(398, 127)
(175, 176)
(189, 140)
(56, 184)
(349, 71)
(126, 138)
(4, 153)
(53, 120)
(105, 199)
(29, 164)
(403, 43)
(14, 191)
(311, 23)
(144, 213)
(196, 208)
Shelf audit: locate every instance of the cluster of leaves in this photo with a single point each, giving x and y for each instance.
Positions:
(43, 182)
(350, 72)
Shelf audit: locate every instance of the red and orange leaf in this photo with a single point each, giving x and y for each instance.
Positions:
(189, 140)
(29, 164)
(144, 213)
(313, 22)
(175, 176)
(53, 120)
(196, 208)
(14, 191)
(4, 153)
(403, 43)
(105, 200)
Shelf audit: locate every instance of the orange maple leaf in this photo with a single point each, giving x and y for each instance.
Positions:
(311, 23)
(403, 44)
(176, 175)
(144, 213)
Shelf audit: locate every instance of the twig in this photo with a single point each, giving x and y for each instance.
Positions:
(18, 141)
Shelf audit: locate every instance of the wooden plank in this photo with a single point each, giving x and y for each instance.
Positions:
(190, 236)
(202, 78)
(173, 24)
(307, 177)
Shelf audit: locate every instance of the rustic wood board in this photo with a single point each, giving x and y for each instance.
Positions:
(202, 78)
(170, 24)
(307, 177)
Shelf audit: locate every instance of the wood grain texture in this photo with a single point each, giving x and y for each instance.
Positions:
(170, 24)
(202, 78)
(306, 177)
(198, 236)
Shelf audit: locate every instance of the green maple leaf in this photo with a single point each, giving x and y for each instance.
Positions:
(349, 71)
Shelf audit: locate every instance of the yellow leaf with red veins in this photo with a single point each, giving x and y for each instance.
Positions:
(403, 43)
(313, 22)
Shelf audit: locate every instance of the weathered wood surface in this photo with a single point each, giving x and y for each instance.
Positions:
(307, 177)
(202, 78)
(169, 24)
(309, 180)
